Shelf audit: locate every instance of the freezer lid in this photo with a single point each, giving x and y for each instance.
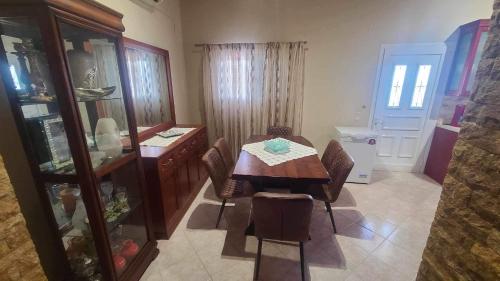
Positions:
(356, 132)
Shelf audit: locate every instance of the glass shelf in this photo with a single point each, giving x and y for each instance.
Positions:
(102, 167)
(23, 102)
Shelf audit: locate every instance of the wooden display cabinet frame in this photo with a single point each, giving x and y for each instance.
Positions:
(93, 16)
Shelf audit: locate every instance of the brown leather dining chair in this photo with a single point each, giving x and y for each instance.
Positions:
(278, 131)
(329, 155)
(339, 168)
(225, 187)
(224, 150)
(279, 216)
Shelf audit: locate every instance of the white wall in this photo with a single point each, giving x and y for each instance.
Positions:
(160, 27)
(344, 39)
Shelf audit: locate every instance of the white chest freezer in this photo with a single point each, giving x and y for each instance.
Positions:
(360, 143)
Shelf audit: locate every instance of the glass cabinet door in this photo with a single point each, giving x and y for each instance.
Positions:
(462, 52)
(123, 211)
(477, 57)
(93, 63)
(26, 75)
(70, 214)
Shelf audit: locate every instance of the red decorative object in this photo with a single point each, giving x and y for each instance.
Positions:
(457, 116)
(120, 262)
(130, 249)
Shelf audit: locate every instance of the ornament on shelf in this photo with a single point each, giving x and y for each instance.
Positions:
(107, 137)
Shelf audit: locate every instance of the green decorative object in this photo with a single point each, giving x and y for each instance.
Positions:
(277, 146)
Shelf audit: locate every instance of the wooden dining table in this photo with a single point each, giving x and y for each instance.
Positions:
(298, 172)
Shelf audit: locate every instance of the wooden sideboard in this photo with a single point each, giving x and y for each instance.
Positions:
(174, 175)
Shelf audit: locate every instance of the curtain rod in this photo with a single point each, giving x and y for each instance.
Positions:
(205, 44)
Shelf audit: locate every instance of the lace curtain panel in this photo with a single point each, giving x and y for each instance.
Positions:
(249, 87)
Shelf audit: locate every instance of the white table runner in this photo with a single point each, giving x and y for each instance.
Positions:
(297, 151)
(164, 142)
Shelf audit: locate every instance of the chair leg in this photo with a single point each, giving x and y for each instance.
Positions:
(329, 209)
(220, 212)
(257, 261)
(302, 266)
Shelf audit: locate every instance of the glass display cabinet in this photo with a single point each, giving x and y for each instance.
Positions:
(466, 46)
(62, 66)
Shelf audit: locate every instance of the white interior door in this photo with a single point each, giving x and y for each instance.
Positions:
(404, 95)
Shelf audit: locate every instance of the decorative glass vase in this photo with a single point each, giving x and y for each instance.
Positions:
(107, 137)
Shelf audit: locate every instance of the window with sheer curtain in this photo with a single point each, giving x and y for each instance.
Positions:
(249, 87)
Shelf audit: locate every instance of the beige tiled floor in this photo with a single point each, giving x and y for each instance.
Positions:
(382, 230)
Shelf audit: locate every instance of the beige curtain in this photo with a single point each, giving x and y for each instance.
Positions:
(249, 87)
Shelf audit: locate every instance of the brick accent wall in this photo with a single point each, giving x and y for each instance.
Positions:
(18, 257)
(464, 242)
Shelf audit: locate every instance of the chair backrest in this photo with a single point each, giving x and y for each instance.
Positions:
(329, 155)
(282, 216)
(339, 170)
(216, 169)
(223, 148)
(279, 131)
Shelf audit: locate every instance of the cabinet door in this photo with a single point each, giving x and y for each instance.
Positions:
(93, 59)
(27, 74)
(202, 148)
(182, 176)
(194, 176)
(167, 186)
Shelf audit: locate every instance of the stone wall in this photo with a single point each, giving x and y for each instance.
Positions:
(18, 257)
(464, 242)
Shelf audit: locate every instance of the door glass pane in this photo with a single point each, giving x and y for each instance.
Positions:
(29, 83)
(477, 58)
(71, 217)
(124, 214)
(93, 63)
(398, 79)
(417, 100)
(461, 55)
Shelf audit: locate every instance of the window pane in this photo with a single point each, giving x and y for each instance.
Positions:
(398, 79)
(424, 71)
